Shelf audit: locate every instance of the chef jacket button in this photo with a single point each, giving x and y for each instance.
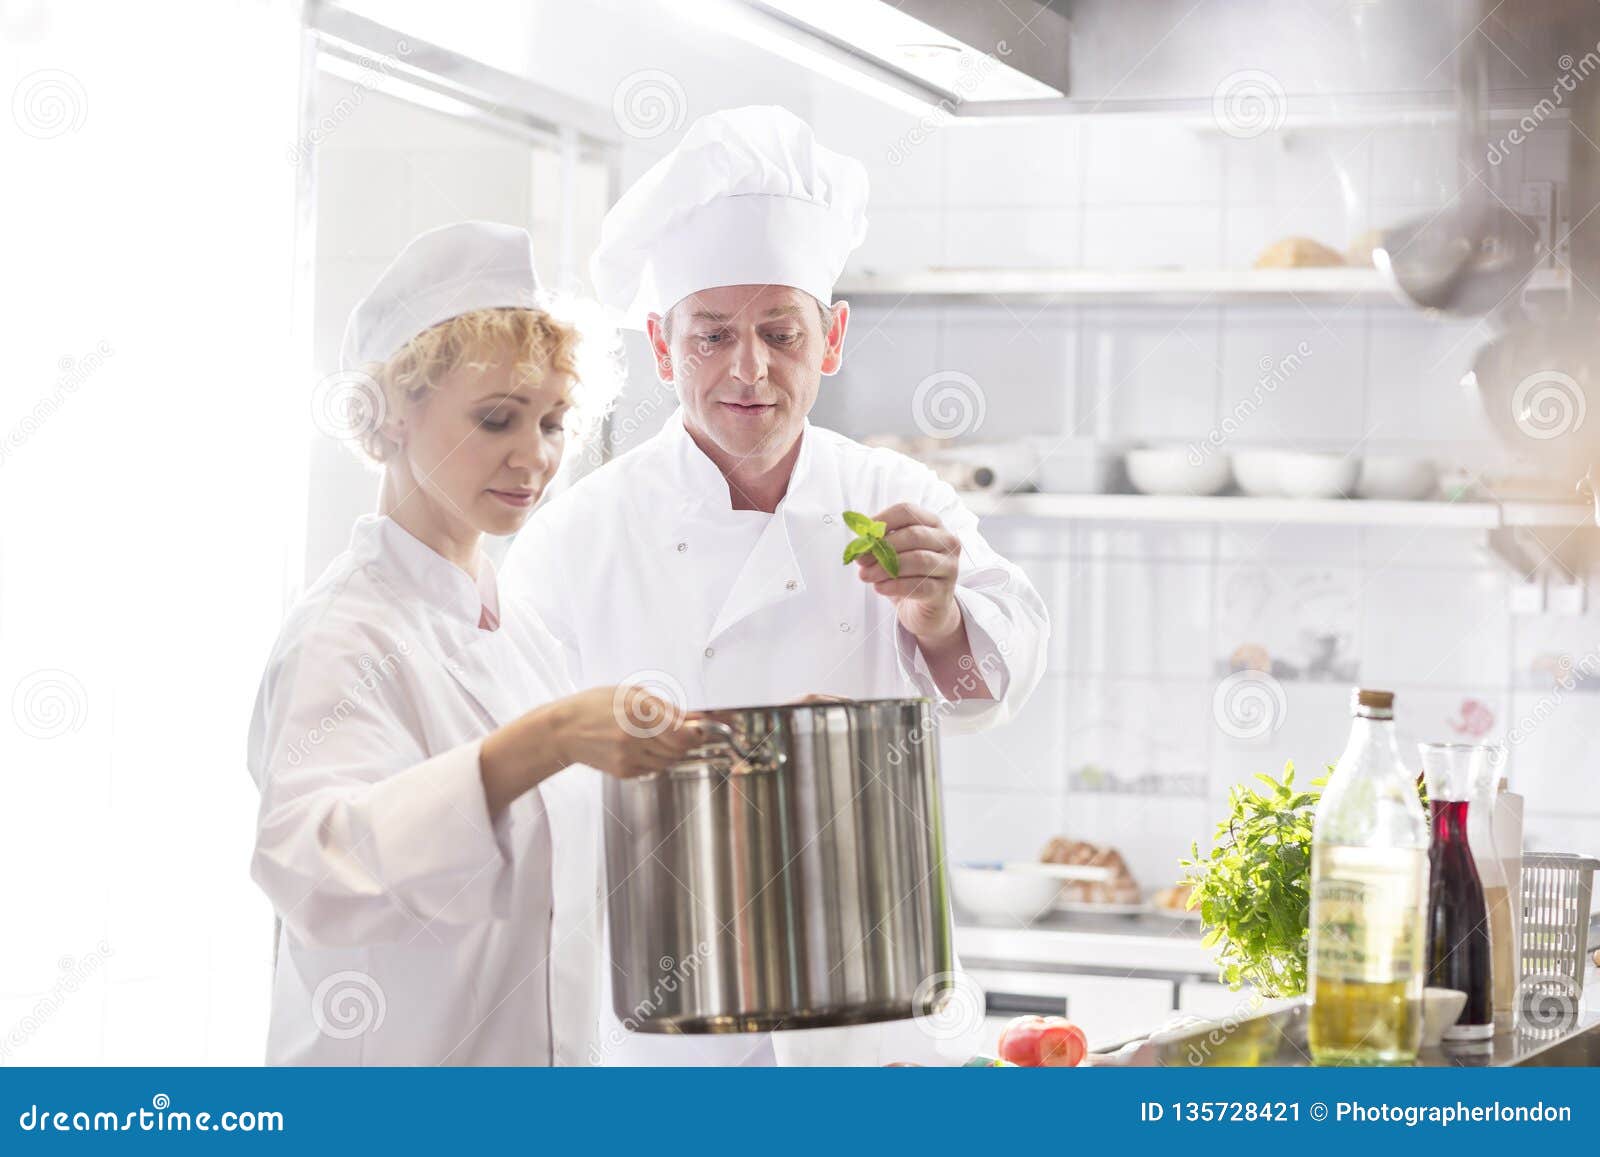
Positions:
(710, 651)
(682, 546)
(790, 585)
(828, 518)
(844, 627)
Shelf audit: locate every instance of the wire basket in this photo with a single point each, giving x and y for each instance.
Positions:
(1556, 891)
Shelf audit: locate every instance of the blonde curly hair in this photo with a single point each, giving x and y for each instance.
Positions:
(544, 342)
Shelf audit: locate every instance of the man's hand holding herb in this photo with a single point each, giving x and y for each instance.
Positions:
(924, 594)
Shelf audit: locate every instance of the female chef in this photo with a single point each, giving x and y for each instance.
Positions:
(430, 844)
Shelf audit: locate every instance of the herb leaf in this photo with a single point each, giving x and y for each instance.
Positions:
(886, 557)
(860, 523)
(871, 539)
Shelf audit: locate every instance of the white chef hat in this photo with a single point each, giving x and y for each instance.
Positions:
(747, 198)
(443, 273)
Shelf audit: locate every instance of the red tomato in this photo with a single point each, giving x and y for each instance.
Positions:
(1043, 1042)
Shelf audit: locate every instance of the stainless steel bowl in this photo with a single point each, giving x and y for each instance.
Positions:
(790, 875)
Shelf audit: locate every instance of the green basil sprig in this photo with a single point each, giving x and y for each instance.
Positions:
(870, 540)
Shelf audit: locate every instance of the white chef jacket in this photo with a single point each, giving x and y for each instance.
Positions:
(412, 929)
(631, 569)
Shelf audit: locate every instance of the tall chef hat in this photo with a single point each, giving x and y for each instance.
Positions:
(443, 273)
(747, 198)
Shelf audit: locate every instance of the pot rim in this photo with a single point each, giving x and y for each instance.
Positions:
(920, 700)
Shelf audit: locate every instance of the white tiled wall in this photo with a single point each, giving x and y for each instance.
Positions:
(1147, 618)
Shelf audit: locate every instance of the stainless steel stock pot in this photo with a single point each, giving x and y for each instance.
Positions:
(790, 874)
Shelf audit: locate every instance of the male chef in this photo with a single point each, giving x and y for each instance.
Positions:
(707, 563)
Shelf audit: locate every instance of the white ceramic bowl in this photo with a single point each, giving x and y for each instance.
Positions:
(1441, 1007)
(1177, 470)
(1002, 894)
(1305, 474)
(1397, 478)
(1256, 472)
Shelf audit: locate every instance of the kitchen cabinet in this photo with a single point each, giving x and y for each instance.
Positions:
(1107, 1008)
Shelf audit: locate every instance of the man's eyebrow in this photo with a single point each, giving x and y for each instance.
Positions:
(775, 311)
(505, 395)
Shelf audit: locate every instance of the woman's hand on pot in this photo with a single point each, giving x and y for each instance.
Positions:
(624, 731)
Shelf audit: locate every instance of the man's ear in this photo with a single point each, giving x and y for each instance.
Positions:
(833, 340)
(658, 347)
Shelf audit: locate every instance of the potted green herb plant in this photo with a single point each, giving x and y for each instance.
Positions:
(1254, 888)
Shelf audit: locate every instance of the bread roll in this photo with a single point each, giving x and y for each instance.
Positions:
(1297, 253)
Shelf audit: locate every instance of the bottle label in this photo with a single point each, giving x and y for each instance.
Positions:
(1360, 934)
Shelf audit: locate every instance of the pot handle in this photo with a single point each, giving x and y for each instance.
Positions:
(725, 733)
(725, 736)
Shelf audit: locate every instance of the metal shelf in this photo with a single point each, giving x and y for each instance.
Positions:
(1469, 515)
(1156, 286)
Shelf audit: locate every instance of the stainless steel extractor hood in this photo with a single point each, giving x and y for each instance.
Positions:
(1333, 59)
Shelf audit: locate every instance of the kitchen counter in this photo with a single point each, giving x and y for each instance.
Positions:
(1148, 945)
(1278, 1038)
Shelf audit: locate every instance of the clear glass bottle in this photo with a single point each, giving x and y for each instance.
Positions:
(1369, 892)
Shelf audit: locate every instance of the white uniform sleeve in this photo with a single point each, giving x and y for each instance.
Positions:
(1008, 628)
(362, 838)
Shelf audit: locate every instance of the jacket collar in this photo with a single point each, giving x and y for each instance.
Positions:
(380, 540)
(699, 482)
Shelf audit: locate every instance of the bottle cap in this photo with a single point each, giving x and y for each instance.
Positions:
(1373, 704)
